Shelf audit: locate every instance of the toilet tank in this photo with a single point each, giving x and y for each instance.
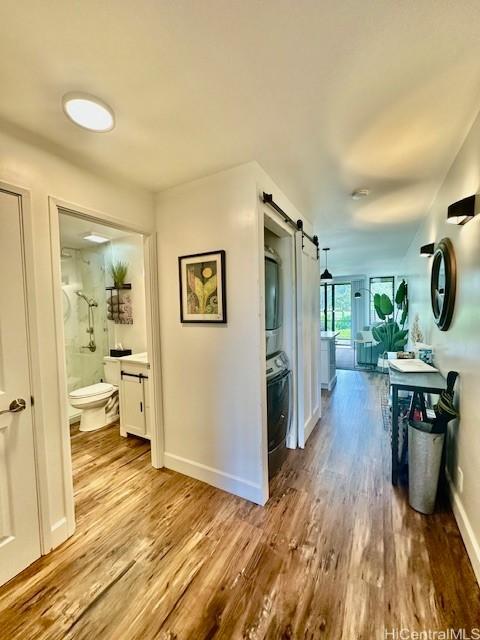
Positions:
(111, 370)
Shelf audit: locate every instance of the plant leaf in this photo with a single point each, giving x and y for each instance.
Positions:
(401, 293)
(386, 305)
(199, 292)
(377, 304)
(209, 287)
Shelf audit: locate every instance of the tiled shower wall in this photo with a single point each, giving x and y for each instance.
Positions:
(84, 271)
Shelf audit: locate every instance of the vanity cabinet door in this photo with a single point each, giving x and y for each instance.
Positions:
(133, 406)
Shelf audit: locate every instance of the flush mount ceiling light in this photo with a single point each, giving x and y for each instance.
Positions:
(462, 211)
(427, 250)
(88, 112)
(326, 275)
(95, 237)
(358, 194)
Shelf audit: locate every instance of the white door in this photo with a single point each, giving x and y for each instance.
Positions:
(308, 340)
(19, 525)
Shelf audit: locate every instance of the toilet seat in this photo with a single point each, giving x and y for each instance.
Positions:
(99, 389)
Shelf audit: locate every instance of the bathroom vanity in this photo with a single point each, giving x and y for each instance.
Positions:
(135, 413)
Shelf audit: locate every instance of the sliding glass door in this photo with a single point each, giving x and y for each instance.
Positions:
(336, 310)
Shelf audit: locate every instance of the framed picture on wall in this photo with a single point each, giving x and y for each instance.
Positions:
(203, 287)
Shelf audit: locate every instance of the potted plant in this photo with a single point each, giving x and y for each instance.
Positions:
(391, 332)
(118, 271)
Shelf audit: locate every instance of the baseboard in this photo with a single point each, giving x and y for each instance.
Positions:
(468, 535)
(219, 479)
(311, 422)
(58, 533)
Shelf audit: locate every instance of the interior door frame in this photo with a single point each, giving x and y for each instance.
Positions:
(38, 417)
(57, 206)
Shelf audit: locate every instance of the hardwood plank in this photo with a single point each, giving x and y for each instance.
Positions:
(335, 553)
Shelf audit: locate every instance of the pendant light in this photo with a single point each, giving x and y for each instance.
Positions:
(326, 275)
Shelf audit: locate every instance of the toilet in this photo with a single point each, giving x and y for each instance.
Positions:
(98, 402)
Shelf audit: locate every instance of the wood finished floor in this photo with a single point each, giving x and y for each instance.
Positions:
(336, 553)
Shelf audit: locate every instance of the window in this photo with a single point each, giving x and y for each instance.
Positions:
(336, 310)
(384, 284)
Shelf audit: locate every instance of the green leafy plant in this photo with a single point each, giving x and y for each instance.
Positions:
(118, 271)
(391, 332)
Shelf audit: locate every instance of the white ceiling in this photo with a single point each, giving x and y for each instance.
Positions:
(73, 230)
(326, 95)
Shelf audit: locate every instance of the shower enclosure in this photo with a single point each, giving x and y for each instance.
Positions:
(85, 315)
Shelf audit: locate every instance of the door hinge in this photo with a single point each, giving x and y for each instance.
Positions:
(32, 400)
(141, 407)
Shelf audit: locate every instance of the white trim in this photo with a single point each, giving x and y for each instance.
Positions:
(152, 292)
(311, 422)
(62, 391)
(471, 543)
(59, 532)
(217, 478)
(153, 346)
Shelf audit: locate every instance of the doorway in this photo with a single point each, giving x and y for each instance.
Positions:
(106, 308)
(336, 310)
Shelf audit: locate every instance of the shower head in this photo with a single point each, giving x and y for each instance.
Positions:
(90, 301)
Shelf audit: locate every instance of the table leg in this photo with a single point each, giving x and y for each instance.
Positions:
(394, 435)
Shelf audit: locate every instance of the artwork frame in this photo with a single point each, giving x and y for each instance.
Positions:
(198, 273)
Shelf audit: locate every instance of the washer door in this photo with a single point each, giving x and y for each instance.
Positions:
(278, 409)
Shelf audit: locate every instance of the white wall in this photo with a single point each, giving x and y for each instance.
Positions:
(213, 375)
(129, 249)
(45, 174)
(459, 347)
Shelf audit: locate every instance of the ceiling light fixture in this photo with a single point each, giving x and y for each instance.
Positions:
(88, 112)
(326, 275)
(358, 194)
(427, 250)
(95, 237)
(462, 211)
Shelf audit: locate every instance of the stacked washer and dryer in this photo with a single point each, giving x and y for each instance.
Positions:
(279, 375)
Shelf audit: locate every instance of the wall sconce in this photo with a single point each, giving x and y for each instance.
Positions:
(427, 250)
(462, 211)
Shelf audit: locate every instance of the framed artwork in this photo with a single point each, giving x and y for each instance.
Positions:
(203, 287)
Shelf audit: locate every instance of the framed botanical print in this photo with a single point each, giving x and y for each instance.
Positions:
(203, 287)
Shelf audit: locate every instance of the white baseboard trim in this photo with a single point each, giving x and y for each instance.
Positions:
(216, 478)
(58, 533)
(468, 535)
(311, 422)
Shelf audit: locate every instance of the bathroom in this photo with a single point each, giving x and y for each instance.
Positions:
(105, 332)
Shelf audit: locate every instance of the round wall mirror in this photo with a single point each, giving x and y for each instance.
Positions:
(443, 284)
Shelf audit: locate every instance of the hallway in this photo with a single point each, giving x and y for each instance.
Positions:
(336, 553)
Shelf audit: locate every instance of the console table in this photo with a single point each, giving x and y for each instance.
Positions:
(419, 383)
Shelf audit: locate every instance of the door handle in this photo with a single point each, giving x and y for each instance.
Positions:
(15, 406)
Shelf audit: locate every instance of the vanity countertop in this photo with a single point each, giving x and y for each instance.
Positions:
(136, 358)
